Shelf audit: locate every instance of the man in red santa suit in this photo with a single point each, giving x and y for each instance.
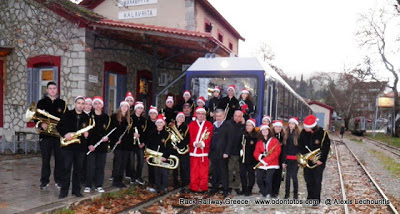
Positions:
(200, 131)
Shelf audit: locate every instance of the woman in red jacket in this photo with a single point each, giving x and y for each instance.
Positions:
(267, 152)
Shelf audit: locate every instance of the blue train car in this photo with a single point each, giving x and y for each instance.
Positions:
(272, 95)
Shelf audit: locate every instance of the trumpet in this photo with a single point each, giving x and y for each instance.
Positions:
(312, 156)
(154, 158)
(75, 139)
(226, 110)
(33, 113)
(243, 150)
(135, 139)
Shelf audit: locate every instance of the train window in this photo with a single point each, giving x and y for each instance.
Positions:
(267, 97)
(281, 102)
(203, 86)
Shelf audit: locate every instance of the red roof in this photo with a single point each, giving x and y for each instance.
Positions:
(390, 94)
(91, 4)
(321, 104)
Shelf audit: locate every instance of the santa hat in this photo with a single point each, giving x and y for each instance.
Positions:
(232, 87)
(78, 97)
(264, 126)
(198, 109)
(310, 121)
(245, 90)
(124, 103)
(277, 123)
(161, 118)
(170, 99)
(252, 121)
(180, 114)
(202, 100)
(138, 104)
(217, 88)
(153, 109)
(99, 99)
(88, 99)
(267, 117)
(187, 92)
(294, 120)
(129, 95)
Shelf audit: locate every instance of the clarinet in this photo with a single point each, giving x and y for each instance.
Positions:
(120, 137)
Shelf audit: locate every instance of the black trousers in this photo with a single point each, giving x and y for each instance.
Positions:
(129, 166)
(276, 181)
(264, 181)
(137, 157)
(313, 178)
(121, 160)
(220, 174)
(183, 170)
(47, 147)
(161, 178)
(152, 179)
(247, 176)
(72, 159)
(95, 165)
(291, 174)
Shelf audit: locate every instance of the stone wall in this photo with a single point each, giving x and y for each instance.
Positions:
(33, 30)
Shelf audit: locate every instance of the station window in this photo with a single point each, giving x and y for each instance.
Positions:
(230, 46)
(220, 37)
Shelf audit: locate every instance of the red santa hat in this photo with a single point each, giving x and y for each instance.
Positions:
(252, 121)
(232, 87)
(310, 121)
(198, 109)
(161, 118)
(264, 126)
(201, 100)
(217, 88)
(180, 114)
(245, 90)
(129, 95)
(99, 99)
(170, 99)
(138, 104)
(89, 99)
(294, 120)
(153, 109)
(187, 92)
(267, 117)
(78, 97)
(124, 103)
(277, 123)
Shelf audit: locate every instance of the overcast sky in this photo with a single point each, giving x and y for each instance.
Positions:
(306, 36)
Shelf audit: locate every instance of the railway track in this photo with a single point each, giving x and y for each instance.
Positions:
(360, 192)
(392, 149)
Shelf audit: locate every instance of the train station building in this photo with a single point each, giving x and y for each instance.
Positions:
(104, 48)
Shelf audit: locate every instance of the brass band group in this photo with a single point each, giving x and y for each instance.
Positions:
(217, 142)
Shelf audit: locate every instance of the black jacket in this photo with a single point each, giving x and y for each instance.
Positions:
(149, 129)
(280, 137)
(313, 141)
(56, 108)
(126, 140)
(221, 141)
(250, 110)
(141, 124)
(72, 122)
(179, 106)
(101, 129)
(232, 103)
(237, 130)
(170, 114)
(161, 141)
(213, 103)
(290, 148)
(251, 141)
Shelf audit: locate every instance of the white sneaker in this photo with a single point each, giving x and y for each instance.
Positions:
(127, 178)
(100, 189)
(151, 189)
(87, 190)
(57, 186)
(111, 179)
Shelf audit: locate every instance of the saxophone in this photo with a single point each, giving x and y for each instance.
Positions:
(75, 139)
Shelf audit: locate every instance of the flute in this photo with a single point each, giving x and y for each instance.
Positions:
(101, 140)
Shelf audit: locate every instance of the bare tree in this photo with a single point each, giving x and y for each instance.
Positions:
(373, 35)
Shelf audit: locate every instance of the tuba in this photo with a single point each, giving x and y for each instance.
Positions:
(153, 158)
(312, 156)
(32, 113)
(75, 139)
(176, 138)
